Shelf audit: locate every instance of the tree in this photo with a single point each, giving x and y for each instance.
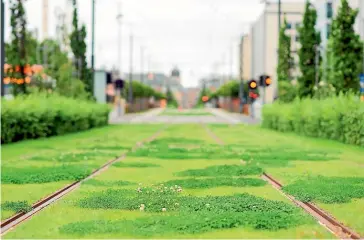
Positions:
(310, 41)
(285, 59)
(16, 49)
(346, 45)
(171, 100)
(78, 46)
(204, 92)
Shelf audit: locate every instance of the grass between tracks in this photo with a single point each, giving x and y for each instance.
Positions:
(33, 169)
(333, 178)
(183, 112)
(225, 198)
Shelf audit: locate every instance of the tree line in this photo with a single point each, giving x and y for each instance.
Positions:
(343, 57)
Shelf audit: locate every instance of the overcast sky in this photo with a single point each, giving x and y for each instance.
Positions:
(197, 36)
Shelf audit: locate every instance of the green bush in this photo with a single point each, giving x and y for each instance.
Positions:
(338, 118)
(44, 115)
(140, 90)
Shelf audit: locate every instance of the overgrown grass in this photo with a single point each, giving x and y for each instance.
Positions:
(97, 183)
(186, 214)
(44, 174)
(327, 189)
(16, 206)
(195, 183)
(75, 157)
(135, 165)
(223, 170)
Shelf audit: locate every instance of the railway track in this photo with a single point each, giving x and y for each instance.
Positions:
(325, 219)
(18, 218)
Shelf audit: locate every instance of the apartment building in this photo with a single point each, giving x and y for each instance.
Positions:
(327, 10)
(264, 35)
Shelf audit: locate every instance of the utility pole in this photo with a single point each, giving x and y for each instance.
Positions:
(231, 61)
(93, 44)
(317, 58)
(142, 64)
(131, 70)
(2, 45)
(118, 18)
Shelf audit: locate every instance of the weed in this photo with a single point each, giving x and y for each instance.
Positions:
(45, 174)
(75, 157)
(197, 215)
(19, 206)
(327, 189)
(135, 165)
(223, 170)
(217, 182)
(98, 183)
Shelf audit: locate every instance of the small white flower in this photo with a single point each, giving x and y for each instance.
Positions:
(179, 190)
(315, 88)
(142, 205)
(164, 209)
(322, 83)
(141, 209)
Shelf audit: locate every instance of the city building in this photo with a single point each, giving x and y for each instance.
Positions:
(327, 10)
(264, 35)
(212, 82)
(245, 57)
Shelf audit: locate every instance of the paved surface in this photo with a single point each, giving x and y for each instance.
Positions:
(154, 116)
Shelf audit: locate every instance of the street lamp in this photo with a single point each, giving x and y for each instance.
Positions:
(93, 43)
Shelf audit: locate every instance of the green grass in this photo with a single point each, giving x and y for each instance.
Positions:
(218, 208)
(135, 165)
(222, 170)
(216, 182)
(33, 169)
(327, 189)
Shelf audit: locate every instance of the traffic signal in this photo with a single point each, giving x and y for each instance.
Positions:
(265, 81)
(205, 98)
(253, 84)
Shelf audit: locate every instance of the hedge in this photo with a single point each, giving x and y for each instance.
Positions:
(140, 90)
(338, 118)
(44, 115)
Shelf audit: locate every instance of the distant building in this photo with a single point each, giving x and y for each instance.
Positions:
(245, 57)
(264, 36)
(190, 97)
(212, 82)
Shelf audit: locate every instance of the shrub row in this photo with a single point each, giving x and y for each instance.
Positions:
(43, 115)
(140, 90)
(338, 118)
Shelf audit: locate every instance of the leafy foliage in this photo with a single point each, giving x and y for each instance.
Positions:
(338, 118)
(285, 59)
(287, 91)
(186, 214)
(346, 45)
(79, 48)
(310, 40)
(18, 206)
(196, 183)
(43, 115)
(222, 170)
(28, 175)
(171, 100)
(327, 189)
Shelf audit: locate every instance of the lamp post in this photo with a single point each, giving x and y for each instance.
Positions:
(130, 97)
(2, 45)
(93, 44)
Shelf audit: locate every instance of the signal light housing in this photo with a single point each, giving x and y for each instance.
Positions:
(253, 84)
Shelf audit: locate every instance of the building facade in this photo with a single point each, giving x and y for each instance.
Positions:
(245, 57)
(327, 10)
(264, 35)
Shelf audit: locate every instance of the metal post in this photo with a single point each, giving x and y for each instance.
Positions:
(118, 17)
(142, 64)
(131, 71)
(231, 61)
(93, 44)
(2, 45)
(279, 15)
(317, 58)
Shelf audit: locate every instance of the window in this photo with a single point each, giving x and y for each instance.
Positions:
(329, 10)
(297, 38)
(328, 30)
(289, 25)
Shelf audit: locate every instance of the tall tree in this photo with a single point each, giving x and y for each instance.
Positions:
(310, 41)
(79, 48)
(346, 49)
(285, 59)
(16, 52)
